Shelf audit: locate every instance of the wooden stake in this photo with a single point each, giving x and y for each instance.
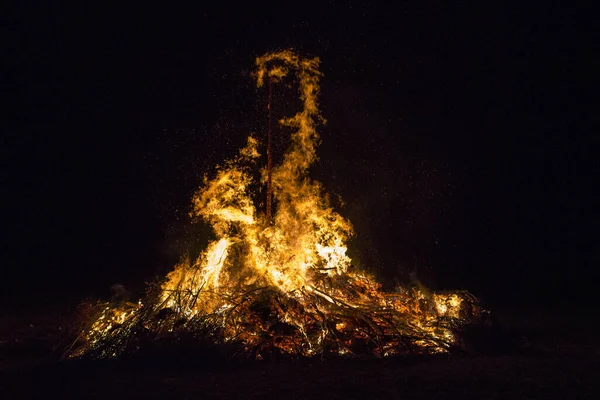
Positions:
(269, 157)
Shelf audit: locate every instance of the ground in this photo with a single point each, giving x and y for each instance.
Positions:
(557, 357)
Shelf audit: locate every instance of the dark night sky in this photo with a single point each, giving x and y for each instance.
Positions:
(455, 136)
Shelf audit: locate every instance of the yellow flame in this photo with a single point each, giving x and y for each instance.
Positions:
(307, 236)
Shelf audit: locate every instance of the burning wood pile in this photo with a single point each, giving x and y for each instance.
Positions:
(278, 282)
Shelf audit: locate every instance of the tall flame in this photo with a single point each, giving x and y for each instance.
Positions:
(295, 269)
(307, 238)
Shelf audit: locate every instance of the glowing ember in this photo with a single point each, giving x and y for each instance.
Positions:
(285, 285)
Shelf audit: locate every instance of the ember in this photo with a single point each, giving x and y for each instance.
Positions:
(279, 281)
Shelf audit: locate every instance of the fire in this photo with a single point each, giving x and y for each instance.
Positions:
(285, 283)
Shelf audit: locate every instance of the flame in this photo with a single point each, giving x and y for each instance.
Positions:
(287, 283)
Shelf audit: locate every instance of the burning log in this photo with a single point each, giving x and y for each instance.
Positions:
(278, 283)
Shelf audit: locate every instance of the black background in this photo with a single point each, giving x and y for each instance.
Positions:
(456, 136)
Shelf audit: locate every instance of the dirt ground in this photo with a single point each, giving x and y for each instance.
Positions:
(557, 358)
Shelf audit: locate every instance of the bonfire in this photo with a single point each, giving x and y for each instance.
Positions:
(278, 281)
